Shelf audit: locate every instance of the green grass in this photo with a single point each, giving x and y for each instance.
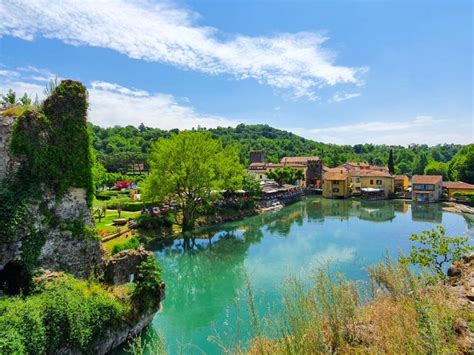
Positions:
(109, 245)
(106, 223)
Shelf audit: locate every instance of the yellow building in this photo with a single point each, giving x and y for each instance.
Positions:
(401, 183)
(375, 179)
(336, 183)
(452, 187)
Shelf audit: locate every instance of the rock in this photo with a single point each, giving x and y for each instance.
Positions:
(454, 270)
(65, 252)
(122, 267)
(6, 163)
(73, 206)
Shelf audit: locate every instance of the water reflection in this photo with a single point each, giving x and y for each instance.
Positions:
(205, 277)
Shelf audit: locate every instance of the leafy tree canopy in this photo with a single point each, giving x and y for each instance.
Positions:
(188, 168)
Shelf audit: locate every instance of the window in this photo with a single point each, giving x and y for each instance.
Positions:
(260, 176)
(371, 182)
(379, 182)
(336, 189)
(335, 182)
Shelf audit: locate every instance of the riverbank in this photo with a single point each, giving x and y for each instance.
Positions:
(404, 314)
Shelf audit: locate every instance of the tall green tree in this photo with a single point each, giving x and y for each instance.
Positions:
(421, 162)
(391, 166)
(461, 167)
(187, 167)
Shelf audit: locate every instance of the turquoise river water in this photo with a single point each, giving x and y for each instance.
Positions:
(206, 304)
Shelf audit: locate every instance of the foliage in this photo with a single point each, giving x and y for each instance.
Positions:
(8, 98)
(437, 168)
(67, 312)
(420, 163)
(461, 167)
(252, 186)
(125, 205)
(55, 144)
(119, 147)
(54, 151)
(147, 291)
(133, 243)
(391, 165)
(187, 168)
(286, 175)
(436, 249)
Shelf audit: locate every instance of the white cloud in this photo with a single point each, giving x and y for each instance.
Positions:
(421, 129)
(342, 97)
(112, 104)
(162, 32)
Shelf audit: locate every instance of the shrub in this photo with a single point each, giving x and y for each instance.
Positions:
(127, 205)
(437, 249)
(132, 243)
(66, 312)
(147, 291)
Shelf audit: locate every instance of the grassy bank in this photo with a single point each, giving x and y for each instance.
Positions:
(396, 312)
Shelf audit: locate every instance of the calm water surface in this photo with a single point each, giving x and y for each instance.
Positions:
(207, 286)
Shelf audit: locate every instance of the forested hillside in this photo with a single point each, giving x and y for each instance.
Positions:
(119, 147)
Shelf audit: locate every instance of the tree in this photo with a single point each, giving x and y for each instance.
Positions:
(187, 167)
(421, 162)
(437, 249)
(391, 166)
(9, 97)
(461, 167)
(286, 175)
(437, 168)
(25, 100)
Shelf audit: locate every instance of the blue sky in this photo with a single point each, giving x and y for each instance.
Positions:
(387, 72)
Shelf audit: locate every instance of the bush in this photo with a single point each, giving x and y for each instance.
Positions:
(151, 222)
(437, 249)
(127, 205)
(148, 291)
(132, 243)
(67, 312)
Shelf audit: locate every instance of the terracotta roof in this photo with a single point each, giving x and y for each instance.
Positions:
(426, 179)
(363, 166)
(369, 173)
(458, 185)
(297, 160)
(336, 174)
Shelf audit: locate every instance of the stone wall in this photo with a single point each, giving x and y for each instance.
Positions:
(122, 267)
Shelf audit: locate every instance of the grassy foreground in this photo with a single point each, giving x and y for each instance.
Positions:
(399, 313)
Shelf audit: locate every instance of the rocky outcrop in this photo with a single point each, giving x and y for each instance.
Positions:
(461, 280)
(6, 163)
(65, 252)
(461, 286)
(122, 267)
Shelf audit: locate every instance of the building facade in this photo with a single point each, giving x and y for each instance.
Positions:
(336, 183)
(401, 183)
(427, 188)
(451, 187)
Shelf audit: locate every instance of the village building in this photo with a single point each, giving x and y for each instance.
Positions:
(451, 187)
(336, 183)
(312, 167)
(401, 183)
(374, 184)
(427, 188)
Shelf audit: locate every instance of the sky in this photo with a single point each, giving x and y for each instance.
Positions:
(345, 72)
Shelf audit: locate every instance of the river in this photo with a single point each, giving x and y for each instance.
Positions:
(206, 304)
